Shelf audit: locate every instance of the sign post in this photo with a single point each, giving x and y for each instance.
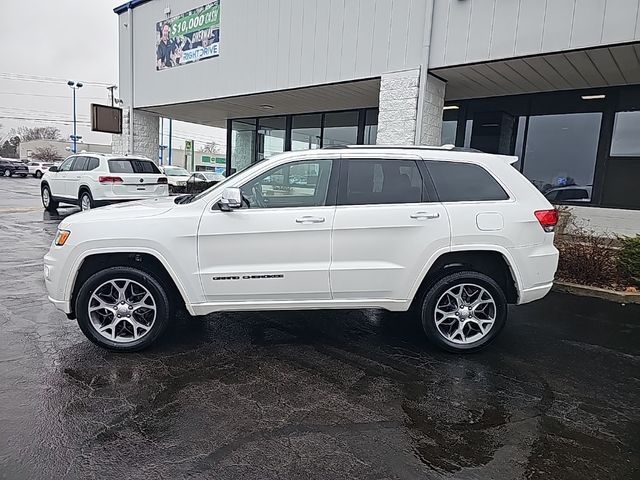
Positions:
(189, 162)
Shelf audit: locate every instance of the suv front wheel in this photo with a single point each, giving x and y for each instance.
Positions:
(122, 309)
(464, 311)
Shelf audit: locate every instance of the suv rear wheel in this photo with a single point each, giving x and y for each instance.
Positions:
(464, 311)
(122, 309)
(47, 200)
(86, 200)
(7, 173)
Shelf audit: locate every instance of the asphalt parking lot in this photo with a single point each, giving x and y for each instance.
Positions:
(308, 395)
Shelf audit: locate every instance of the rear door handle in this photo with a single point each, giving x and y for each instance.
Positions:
(310, 219)
(424, 215)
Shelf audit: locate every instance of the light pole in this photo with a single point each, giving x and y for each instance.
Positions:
(74, 86)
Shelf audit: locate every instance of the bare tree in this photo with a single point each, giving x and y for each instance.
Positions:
(27, 134)
(48, 154)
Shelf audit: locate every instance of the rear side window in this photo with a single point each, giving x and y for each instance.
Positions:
(378, 181)
(132, 165)
(92, 163)
(464, 182)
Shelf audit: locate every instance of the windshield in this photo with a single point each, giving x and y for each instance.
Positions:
(176, 172)
(212, 176)
(206, 192)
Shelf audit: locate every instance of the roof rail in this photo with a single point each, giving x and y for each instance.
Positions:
(450, 148)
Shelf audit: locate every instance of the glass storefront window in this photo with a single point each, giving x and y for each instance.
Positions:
(561, 151)
(243, 143)
(340, 128)
(371, 127)
(449, 132)
(306, 131)
(625, 141)
(271, 135)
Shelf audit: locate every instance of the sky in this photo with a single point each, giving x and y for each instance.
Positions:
(48, 42)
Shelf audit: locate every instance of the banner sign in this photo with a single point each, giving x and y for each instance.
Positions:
(189, 37)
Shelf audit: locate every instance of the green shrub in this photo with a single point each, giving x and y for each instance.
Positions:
(629, 257)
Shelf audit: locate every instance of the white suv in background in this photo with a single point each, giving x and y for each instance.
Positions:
(452, 236)
(37, 169)
(89, 180)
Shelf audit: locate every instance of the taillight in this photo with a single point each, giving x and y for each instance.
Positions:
(547, 218)
(109, 179)
(163, 180)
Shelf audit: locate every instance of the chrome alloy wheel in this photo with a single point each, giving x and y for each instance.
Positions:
(46, 198)
(122, 310)
(465, 313)
(85, 202)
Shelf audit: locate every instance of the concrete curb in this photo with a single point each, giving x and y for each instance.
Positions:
(603, 293)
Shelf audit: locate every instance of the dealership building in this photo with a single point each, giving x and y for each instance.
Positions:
(556, 83)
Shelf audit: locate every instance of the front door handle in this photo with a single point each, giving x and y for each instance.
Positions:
(310, 219)
(424, 215)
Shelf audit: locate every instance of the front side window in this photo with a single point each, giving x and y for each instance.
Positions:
(66, 165)
(464, 182)
(297, 184)
(381, 181)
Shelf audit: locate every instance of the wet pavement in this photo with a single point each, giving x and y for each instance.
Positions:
(308, 395)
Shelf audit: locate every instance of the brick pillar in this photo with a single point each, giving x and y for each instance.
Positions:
(146, 133)
(433, 102)
(398, 107)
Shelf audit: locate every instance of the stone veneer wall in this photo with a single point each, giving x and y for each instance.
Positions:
(146, 133)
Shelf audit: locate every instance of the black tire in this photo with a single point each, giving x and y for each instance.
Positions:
(52, 205)
(160, 298)
(86, 194)
(23, 175)
(8, 173)
(38, 174)
(433, 295)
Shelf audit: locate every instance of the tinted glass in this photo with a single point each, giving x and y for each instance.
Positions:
(271, 133)
(92, 163)
(79, 164)
(381, 182)
(340, 129)
(243, 143)
(305, 132)
(561, 150)
(464, 182)
(371, 127)
(299, 184)
(625, 141)
(126, 165)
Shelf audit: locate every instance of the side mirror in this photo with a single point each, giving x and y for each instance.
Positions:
(231, 199)
(53, 168)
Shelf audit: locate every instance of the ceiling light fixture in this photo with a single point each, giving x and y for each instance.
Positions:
(266, 106)
(593, 97)
(450, 107)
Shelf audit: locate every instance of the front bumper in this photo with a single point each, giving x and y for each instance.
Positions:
(55, 279)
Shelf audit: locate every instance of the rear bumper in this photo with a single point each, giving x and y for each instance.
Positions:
(533, 294)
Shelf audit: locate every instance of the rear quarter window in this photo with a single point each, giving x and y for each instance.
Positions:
(464, 182)
(130, 165)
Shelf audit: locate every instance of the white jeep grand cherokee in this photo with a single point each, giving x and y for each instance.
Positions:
(453, 234)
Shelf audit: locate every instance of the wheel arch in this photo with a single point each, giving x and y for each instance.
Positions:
(494, 263)
(146, 261)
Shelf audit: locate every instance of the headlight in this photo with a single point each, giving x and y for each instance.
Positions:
(61, 237)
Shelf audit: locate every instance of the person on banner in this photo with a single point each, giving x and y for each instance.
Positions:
(168, 53)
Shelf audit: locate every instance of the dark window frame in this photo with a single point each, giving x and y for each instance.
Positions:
(361, 124)
(619, 98)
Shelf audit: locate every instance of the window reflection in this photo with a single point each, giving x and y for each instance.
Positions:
(271, 134)
(560, 153)
(306, 131)
(371, 127)
(340, 128)
(243, 143)
(626, 135)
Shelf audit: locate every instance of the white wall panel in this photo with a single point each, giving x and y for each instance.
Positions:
(619, 20)
(557, 26)
(482, 14)
(527, 27)
(588, 19)
(277, 44)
